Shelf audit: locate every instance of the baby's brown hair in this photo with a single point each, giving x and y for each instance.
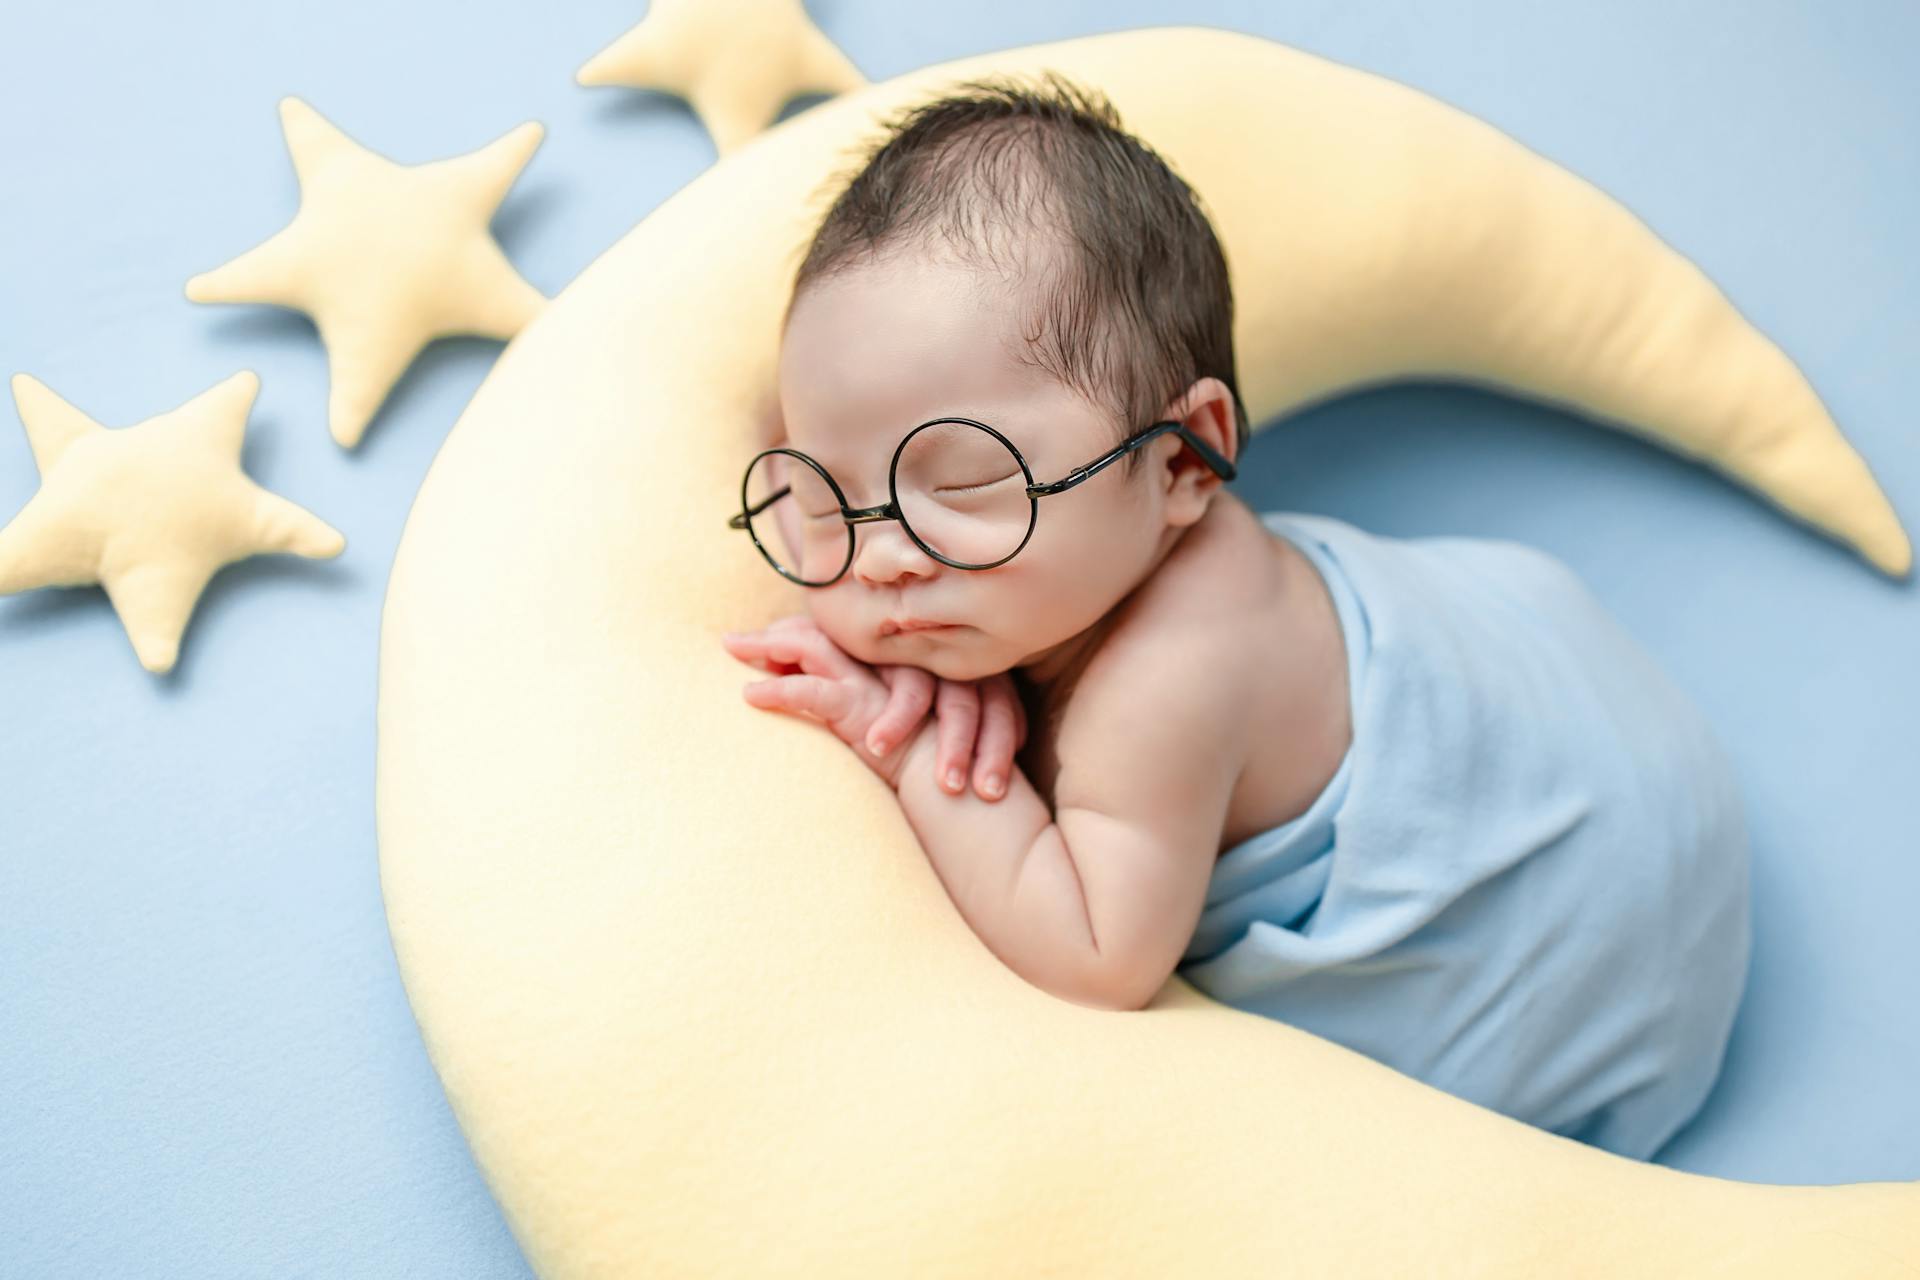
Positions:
(1137, 307)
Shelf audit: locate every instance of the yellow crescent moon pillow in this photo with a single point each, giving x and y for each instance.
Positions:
(699, 1001)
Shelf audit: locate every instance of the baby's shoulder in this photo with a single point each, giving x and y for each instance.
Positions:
(1222, 574)
(1171, 711)
(1200, 616)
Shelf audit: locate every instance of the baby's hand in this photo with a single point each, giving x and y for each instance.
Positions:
(812, 677)
(877, 710)
(983, 719)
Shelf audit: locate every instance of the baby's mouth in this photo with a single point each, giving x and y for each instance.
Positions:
(910, 626)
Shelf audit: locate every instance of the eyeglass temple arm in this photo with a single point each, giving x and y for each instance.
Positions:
(1215, 461)
(738, 520)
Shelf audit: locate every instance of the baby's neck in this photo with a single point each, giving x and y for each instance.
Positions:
(1059, 665)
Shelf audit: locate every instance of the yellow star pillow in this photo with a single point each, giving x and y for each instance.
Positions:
(150, 511)
(736, 62)
(384, 257)
(700, 1003)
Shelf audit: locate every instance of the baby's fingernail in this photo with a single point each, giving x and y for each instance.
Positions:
(874, 744)
(994, 784)
(953, 779)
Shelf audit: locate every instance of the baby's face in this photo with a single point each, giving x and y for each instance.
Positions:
(873, 352)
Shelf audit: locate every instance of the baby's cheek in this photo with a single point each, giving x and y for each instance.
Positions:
(855, 642)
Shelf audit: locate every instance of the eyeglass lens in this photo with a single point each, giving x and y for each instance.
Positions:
(961, 490)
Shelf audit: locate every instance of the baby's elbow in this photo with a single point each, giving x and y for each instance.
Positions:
(1093, 982)
(1105, 999)
(1120, 985)
(1138, 994)
(1128, 1000)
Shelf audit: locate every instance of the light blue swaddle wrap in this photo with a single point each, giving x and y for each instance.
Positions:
(1527, 882)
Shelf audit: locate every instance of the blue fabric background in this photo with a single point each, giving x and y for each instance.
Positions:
(207, 1064)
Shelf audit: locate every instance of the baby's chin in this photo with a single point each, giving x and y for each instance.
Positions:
(955, 664)
(962, 653)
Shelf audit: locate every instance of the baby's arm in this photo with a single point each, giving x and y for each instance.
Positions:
(1097, 901)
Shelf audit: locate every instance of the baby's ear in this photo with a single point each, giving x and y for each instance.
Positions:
(1206, 410)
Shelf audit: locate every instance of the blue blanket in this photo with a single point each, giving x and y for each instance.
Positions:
(1527, 882)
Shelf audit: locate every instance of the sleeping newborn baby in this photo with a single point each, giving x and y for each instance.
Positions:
(1423, 797)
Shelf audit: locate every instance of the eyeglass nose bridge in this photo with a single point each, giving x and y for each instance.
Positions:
(867, 515)
(887, 510)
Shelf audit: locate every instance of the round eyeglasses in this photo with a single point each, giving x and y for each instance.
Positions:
(958, 487)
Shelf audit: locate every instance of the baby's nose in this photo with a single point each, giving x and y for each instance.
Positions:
(884, 554)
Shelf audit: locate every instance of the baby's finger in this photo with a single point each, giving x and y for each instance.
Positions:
(993, 752)
(957, 705)
(809, 650)
(747, 646)
(909, 696)
(823, 699)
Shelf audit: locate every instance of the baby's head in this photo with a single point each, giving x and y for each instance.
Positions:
(1008, 255)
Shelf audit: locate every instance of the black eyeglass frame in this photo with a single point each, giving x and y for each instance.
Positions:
(890, 509)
